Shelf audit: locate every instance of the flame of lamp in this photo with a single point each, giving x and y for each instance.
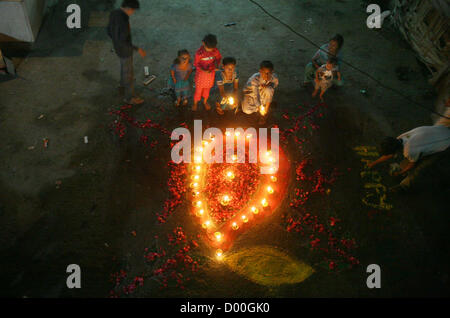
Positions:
(194, 185)
(230, 175)
(200, 212)
(206, 224)
(244, 218)
(270, 190)
(273, 179)
(219, 253)
(262, 110)
(235, 226)
(254, 210)
(225, 200)
(231, 100)
(218, 236)
(264, 203)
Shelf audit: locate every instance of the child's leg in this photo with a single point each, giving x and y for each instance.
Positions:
(323, 89)
(197, 97)
(205, 94)
(316, 88)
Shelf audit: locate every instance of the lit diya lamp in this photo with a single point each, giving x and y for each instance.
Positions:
(230, 175)
(218, 236)
(264, 203)
(234, 226)
(195, 193)
(249, 136)
(270, 190)
(197, 168)
(244, 218)
(227, 133)
(273, 179)
(219, 254)
(237, 133)
(225, 200)
(200, 212)
(231, 101)
(262, 110)
(254, 210)
(195, 177)
(206, 224)
(234, 158)
(194, 185)
(198, 159)
(197, 204)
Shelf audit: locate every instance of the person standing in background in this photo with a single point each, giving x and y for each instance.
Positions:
(119, 31)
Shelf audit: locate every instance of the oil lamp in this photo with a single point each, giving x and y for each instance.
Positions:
(244, 218)
(206, 224)
(225, 200)
(270, 190)
(230, 175)
(218, 236)
(200, 212)
(273, 179)
(219, 254)
(254, 210)
(264, 202)
(234, 226)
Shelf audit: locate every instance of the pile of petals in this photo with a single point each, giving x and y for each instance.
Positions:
(171, 265)
(123, 118)
(240, 189)
(177, 187)
(321, 231)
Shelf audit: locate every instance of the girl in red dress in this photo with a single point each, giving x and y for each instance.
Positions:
(207, 60)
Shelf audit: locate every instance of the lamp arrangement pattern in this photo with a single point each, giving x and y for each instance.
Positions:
(227, 198)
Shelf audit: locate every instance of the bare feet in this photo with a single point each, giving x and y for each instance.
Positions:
(194, 107)
(207, 106)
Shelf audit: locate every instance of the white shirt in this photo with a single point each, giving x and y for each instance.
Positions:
(424, 141)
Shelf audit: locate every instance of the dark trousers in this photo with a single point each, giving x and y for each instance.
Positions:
(127, 76)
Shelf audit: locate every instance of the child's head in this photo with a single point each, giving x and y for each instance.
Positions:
(183, 56)
(210, 42)
(229, 65)
(331, 63)
(130, 6)
(336, 42)
(266, 70)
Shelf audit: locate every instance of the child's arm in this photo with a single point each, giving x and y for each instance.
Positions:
(317, 75)
(221, 90)
(236, 86)
(188, 74)
(172, 73)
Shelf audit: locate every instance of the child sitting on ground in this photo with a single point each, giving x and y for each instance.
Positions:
(227, 81)
(207, 60)
(325, 75)
(259, 91)
(180, 71)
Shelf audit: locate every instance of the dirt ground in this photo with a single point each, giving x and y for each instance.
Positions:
(77, 203)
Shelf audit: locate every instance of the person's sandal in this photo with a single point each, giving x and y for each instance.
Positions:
(220, 111)
(134, 101)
